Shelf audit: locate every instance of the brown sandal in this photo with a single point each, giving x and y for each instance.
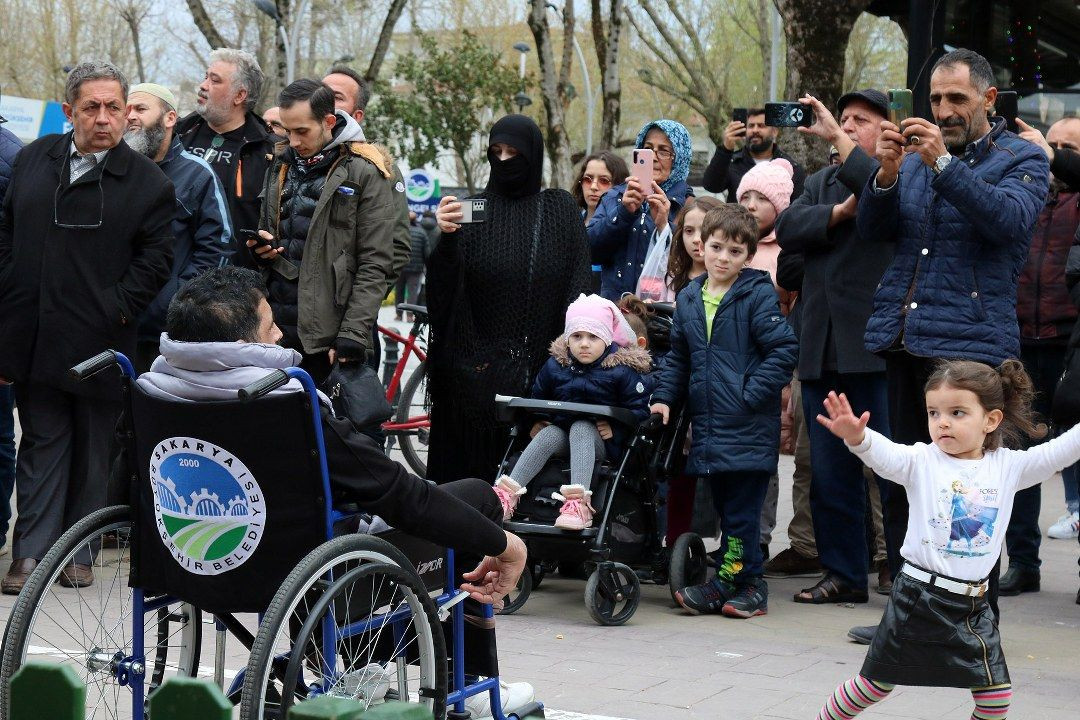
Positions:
(831, 589)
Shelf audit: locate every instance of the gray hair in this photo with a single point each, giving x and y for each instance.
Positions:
(979, 70)
(92, 70)
(248, 74)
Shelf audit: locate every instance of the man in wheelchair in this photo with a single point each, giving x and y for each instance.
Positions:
(220, 337)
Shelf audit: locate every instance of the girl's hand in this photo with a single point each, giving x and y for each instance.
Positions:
(448, 214)
(842, 421)
(537, 427)
(604, 428)
(660, 409)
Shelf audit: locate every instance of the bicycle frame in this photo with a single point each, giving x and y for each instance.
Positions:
(410, 346)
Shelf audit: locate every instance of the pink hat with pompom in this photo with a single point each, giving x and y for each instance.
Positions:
(773, 179)
(599, 316)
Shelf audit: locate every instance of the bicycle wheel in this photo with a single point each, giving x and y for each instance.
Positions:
(89, 628)
(414, 403)
(421, 676)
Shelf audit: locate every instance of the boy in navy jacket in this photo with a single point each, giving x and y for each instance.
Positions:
(731, 353)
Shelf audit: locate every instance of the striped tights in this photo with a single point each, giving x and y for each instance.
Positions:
(859, 693)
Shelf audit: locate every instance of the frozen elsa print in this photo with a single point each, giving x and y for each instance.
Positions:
(970, 523)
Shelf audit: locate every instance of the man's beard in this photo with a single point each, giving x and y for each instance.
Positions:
(214, 113)
(765, 144)
(147, 139)
(959, 147)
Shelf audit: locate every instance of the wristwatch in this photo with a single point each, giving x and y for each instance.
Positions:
(941, 163)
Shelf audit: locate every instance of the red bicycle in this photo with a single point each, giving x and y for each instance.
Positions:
(410, 424)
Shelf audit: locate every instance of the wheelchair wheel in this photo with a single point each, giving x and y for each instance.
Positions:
(516, 599)
(414, 402)
(612, 593)
(89, 628)
(689, 563)
(359, 581)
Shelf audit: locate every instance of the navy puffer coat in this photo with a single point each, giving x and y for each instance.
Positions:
(619, 378)
(961, 239)
(9, 148)
(619, 240)
(731, 382)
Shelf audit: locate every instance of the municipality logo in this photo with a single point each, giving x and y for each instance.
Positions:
(210, 512)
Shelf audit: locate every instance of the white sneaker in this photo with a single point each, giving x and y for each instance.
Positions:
(1066, 528)
(369, 683)
(512, 695)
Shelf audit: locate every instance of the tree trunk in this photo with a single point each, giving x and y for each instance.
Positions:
(134, 17)
(553, 88)
(817, 37)
(383, 44)
(206, 25)
(607, 38)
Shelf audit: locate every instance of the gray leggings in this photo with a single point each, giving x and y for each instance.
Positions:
(583, 446)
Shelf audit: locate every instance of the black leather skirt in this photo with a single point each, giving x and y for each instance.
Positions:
(929, 636)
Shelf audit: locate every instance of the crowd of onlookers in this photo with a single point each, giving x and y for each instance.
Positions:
(942, 238)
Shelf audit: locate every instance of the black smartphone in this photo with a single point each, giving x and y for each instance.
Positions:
(740, 114)
(1005, 107)
(246, 235)
(901, 106)
(788, 114)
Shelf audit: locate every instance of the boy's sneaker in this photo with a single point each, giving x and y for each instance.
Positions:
(1066, 528)
(509, 492)
(750, 600)
(708, 597)
(576, 512)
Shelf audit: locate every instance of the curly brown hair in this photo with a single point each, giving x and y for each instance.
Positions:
(679, 261)
(1007, 388)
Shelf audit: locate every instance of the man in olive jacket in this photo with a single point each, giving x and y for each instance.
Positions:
(85, 245)
(328, 216)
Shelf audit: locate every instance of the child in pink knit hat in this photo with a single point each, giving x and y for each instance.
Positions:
(595, 361)
(766, 192)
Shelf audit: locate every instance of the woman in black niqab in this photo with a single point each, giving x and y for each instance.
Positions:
(497, 294)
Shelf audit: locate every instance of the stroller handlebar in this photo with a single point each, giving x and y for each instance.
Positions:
(511, 409)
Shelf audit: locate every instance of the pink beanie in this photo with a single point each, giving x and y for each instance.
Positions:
(599, 316)
(772, 179)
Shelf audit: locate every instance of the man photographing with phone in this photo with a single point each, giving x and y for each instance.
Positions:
(959, 196)
(728, 165)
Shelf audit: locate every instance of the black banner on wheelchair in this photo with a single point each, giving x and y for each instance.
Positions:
(228, 498)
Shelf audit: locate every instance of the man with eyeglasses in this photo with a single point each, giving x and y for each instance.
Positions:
(85, 245)
(728, 165)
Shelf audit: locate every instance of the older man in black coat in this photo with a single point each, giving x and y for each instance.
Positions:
(85, 245)
(840, 273)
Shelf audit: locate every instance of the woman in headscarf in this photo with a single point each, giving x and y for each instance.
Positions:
(497, 292)
(631, 218)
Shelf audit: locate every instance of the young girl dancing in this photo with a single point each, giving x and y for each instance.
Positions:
(597, 361)
(938, 629)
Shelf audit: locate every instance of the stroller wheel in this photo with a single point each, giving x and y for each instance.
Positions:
(689, 563)
(538, 572)
(516, 599)
(612, 593)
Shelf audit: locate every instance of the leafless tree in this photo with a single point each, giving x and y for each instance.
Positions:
(554, 80)
(607, 31)
(134, 13)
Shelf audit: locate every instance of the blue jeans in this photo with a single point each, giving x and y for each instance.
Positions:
(1044, 363)
(7, 457)
(837, 484)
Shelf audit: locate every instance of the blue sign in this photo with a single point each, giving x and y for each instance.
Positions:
(54, 120)
(422, 191)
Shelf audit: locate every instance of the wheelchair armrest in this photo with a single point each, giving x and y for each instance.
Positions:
(514, 409)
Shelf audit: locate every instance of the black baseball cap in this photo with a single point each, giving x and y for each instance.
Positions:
(874, 98)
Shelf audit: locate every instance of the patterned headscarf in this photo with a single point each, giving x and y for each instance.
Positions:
(680, 143)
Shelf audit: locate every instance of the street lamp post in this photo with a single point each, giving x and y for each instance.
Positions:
(590, 101)
(521, 99)
(289, 39)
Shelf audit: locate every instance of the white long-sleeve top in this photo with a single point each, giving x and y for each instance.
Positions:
(959, 509)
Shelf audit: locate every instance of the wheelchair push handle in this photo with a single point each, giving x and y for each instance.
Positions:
(264, 385)
(89, 368)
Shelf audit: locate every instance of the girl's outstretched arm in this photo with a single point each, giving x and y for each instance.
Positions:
(1042, 461)
(890, 460)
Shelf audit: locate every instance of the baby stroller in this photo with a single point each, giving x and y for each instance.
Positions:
(624, 542)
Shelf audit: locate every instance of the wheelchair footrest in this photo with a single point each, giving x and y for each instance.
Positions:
(540, 529)
(532, 711)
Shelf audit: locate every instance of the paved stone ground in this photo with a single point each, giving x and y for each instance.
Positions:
(666, 665)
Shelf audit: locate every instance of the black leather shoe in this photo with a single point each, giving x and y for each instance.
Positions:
(1018, 580)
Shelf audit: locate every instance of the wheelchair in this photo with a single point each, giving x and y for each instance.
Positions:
(624, 543)
(221, 522)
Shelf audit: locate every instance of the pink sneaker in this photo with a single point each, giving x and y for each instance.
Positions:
(509, 492)
(576, 512)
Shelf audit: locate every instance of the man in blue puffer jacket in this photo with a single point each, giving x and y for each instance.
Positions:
(630, 219)
(960, 197)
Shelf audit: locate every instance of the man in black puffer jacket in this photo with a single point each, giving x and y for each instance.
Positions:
(327, 225)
